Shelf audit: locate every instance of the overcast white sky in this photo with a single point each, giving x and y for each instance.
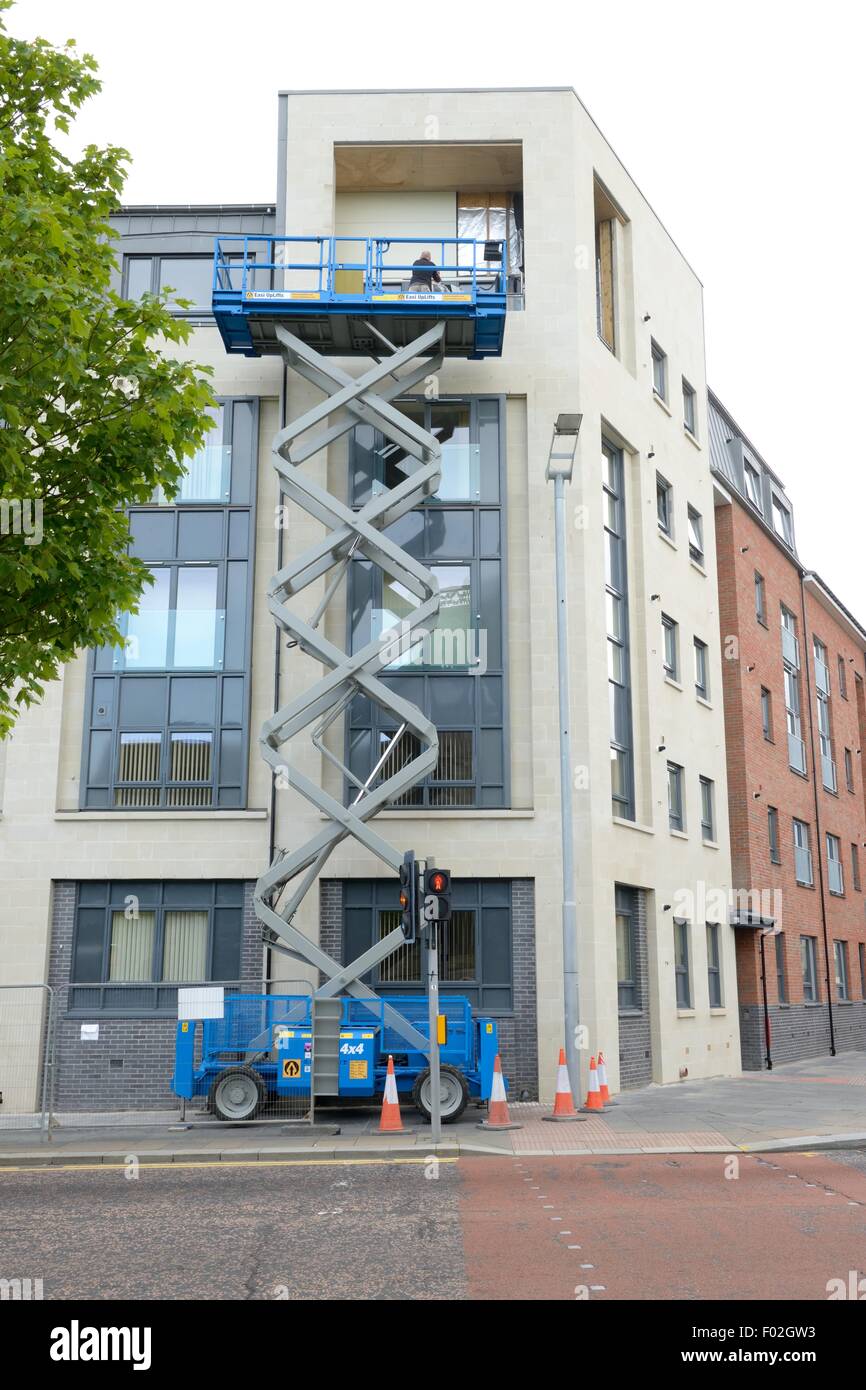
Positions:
(743, 123)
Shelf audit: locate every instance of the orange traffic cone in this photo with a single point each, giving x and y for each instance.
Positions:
(390, 1121)
(497, 1106)
(593, 1096)
(563, 1103)
(602, 1082)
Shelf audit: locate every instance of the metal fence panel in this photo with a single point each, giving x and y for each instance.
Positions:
(26, 1015)
(112, 1059)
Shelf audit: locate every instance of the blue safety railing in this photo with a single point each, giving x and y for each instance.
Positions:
(465, 265)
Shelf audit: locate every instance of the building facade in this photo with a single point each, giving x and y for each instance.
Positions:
(793, 662)
(138, 780)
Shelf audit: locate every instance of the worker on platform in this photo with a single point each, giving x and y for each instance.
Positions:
(425, 275)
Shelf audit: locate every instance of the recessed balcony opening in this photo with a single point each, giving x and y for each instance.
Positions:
(436, 191)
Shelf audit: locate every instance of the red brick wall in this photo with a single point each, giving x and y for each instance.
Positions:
(758, 771)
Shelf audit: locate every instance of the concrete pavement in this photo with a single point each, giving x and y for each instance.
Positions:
(804, 1105)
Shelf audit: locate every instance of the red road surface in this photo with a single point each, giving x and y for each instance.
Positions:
(661, 1227)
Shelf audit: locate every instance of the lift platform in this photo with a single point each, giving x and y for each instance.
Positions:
(350, 296)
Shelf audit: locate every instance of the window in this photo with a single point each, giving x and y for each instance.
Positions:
(618, 664)
(492, 217)
(665, 505)
(790, 644)
(855, 868)
(782, 524)
(660, 371)
(767, 714)
(690, 419)
(840, 960)
(696, 536)
(708, 817)
(823, 726)
(475, 947)
(802, 854)
(167, 712)
(132, 940)
(207, 475)
(773, 834)
(453, 780)
(790, 668)
(606, 221)
(781, 973)
(861, 951)
(834, 865)
(626, 952)
(702, 673)
(670, 631)
(843, 684)
(675, 797)
(809, 965)
(822, 670)
(451, 641)
(849, 770)
(681, 964)
(714, 967)
(178, 625)
(455, 672)
(753, 485)
(188, 278)
(760, 599)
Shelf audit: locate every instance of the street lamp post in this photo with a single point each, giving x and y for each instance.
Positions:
(560, 466)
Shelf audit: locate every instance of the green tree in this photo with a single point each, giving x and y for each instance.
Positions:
(93, 416)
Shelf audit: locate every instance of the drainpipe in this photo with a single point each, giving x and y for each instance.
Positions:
(818, 831)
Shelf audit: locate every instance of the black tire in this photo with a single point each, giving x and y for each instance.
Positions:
(246, 1080)
(453, 1082)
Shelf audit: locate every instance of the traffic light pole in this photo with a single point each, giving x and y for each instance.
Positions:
(432, 964)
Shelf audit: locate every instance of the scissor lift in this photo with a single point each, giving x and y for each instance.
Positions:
(313, 300)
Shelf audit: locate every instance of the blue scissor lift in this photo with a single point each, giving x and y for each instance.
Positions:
(312, 300)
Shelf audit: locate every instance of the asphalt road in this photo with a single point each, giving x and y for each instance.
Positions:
(690, 1226)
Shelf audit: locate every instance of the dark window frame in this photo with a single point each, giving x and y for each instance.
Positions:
(619, 644)
(367, 899)
(715, 991)
(230, 732)
(485, 412)
(150, 997)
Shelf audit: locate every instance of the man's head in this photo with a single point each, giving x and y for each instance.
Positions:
(425, 256)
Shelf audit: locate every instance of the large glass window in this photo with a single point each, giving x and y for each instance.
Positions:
(616, 599)
(167, 710)
(133, 940)
(187, 277)
(455, 673)
(475, 946)
(207, 475)
(178, 625)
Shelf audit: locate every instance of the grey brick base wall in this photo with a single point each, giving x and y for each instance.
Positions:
(635, 1046)
(131, 1065)
(518, 1031)
(800, 1031)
